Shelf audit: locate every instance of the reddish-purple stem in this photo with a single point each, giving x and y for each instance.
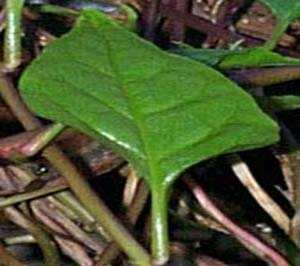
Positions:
(202, 25)
(248, 240)
(148, 19)
(190, 20)
(177, 32)
(227, 11)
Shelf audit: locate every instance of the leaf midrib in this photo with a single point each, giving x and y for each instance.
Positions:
(152, 170)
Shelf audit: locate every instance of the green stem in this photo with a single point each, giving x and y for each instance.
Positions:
(279, 30)
(285, 102)
(96, 206)
(69, 201)
(12, 39)
(111, 252)
(58, 10)
(5, 202)
(159, 225)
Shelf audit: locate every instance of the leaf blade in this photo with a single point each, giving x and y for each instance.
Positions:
(138, 99)
(284, 9)
(236, 59)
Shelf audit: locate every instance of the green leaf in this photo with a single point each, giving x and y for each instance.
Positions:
(236, 59)
(211, 57)
(286, 11)
(162, 112)
(256, 57)
(286, 102)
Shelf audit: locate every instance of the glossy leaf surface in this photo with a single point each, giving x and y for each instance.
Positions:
(161, 112)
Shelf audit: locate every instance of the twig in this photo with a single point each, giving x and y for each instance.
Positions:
(69, 201)
(15, 240)
(5, 202)
(2, 19)
(149, 17)
(209, 223)
(75, 251)
(41, 140)
(178, 28)
(11, 97)
(27, 144)
(112, 251)
(295, 224)
(202, 25)
(262, 198)
(253, 244)
(5, 114)
(223, 11)
(138, 202)
(288, 175)
(130, 188)
(295, 166)
(59, 223)
(257, 77)
(48, 247)
(193, 21)
(65, 210)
